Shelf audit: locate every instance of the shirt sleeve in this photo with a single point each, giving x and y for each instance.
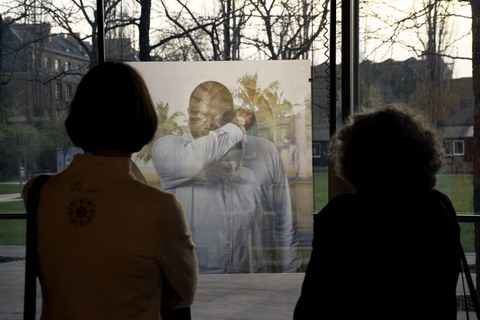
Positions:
(178, 159)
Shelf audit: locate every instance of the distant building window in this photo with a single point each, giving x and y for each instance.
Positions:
(66, 66)
(58, 91)
(458, 147)
(68, 92)
(57, 65)
(316, 150)
(46, 63)
(447, 148)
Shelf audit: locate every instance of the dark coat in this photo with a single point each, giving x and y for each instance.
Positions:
(389, 257)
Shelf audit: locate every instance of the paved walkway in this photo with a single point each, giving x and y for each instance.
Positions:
(10, 197)
(219, 297)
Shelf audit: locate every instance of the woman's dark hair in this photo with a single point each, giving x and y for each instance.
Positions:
(111, 110)
(394, 147)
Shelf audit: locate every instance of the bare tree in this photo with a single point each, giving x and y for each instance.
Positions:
(81, 15)
(426, 22)
(13, 13)
(236, 30)
(286, 29)
(214, 34)
(201, 31)
(424, 30)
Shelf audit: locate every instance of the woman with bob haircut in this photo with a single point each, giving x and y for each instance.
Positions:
(112, 110)
(390, 249)
(111, 246)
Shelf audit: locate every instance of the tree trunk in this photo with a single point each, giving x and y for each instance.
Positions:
(144, 30)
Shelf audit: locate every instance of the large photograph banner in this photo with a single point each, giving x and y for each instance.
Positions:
(234, 145)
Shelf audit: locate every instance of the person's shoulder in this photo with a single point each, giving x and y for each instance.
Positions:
(154, 196)
(167, 141)
(428, 198)
(170, 137)
(435, 195)
(259, 142)
(155, 207)
(257, 139)
(149, 189)
(341, 202)
(339, 209)
(40, 180)
(343, 199)
(37, 182)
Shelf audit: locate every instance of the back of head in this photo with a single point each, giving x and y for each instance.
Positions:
(111, 110)
(392, 148)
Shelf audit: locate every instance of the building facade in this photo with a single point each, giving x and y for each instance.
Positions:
(39, 71)
(448, 101)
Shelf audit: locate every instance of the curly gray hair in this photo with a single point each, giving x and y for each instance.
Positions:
(391, 148)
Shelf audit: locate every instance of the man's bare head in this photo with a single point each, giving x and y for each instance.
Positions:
(209, 101)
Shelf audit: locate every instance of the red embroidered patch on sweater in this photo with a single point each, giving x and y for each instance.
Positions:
(81, 212)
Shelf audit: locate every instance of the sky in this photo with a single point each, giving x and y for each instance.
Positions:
(458, 27)
(461, 68)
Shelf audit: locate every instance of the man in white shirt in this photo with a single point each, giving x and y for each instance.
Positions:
(233, 188)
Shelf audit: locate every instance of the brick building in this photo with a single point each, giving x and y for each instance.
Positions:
(448, 101)
(39, 70)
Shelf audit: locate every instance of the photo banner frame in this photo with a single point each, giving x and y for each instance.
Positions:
(278, 93)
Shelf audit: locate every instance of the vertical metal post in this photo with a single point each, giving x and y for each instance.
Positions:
(349, 80)
(349, 57)
(476, 129)
(356, 56)
(333, 67)
(101, 31)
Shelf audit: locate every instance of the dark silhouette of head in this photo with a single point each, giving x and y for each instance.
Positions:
(111, 110)
(393, 148)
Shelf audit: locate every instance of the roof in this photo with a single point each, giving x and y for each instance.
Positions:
(452, 132)
(18, 37)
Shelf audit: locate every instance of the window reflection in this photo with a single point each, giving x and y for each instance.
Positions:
(416, 52)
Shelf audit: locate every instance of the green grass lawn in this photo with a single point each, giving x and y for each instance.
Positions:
(12, 231)
(459, 188)
(10, 188)
(320, 189)
(12, 206)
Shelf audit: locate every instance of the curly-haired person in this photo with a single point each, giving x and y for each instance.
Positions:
(389, 250)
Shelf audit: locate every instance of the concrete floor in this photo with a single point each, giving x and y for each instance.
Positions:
(219, 297)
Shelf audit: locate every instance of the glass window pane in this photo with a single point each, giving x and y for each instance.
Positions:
(419, 53)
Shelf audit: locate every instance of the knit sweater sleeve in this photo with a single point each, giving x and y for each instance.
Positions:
(177, 257)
